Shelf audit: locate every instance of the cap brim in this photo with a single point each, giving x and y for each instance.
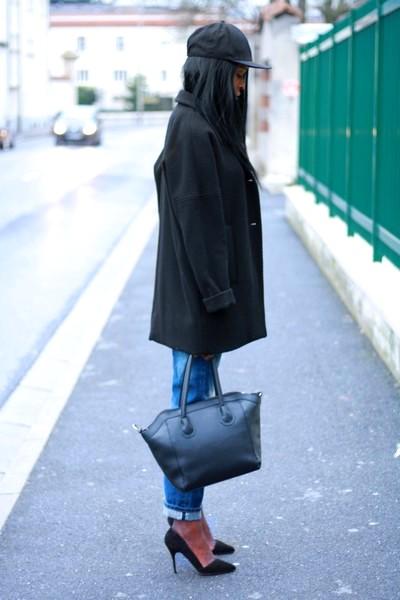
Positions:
(247, 63)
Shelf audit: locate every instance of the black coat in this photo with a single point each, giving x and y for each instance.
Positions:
(208, 295)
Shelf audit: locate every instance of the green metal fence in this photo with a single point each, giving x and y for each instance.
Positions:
(349, 148)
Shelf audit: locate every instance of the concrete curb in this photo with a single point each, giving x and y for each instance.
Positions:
(370, 290)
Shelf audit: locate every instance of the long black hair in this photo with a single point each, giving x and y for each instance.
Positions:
(210, 80)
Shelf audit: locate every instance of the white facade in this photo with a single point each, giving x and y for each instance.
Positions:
(23, 64)
(3, 61)
(277, 139)
(114, 44)
(109, 54)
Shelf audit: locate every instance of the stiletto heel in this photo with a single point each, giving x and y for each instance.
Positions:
(219, 547)
(175, 543)
(173, 559)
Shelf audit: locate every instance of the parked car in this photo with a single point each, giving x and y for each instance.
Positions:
(7, 137)
(80, 124)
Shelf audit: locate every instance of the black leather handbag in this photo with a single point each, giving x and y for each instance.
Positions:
(206, 441)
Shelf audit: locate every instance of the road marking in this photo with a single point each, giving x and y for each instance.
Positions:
(30, 413)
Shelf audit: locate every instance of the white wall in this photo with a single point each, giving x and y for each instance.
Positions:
(278, 147)
(23, 64)
(158, 53)
(34, 68)
(3, 61)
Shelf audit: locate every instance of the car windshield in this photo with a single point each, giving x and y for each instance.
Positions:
(79, 112)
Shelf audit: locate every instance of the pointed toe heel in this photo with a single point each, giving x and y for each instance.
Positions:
(175, 543)
(222, 548)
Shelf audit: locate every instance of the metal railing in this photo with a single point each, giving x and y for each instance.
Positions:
(349, 147)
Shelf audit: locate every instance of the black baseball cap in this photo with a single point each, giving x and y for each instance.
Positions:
(224, 41)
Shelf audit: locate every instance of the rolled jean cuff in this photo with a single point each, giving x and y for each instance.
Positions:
(182, 515)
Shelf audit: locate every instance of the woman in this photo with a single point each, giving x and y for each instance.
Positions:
(208, 296)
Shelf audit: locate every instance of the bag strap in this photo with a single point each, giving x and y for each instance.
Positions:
(185, 386)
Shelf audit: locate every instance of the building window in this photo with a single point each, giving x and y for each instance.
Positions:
(82, 75)
(120, 75)
(81, 43)
(163, 75)
(119, 43)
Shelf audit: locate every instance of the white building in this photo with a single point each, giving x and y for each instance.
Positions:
(276, 124)
(115, 43)
(3, 62)
(23, 64)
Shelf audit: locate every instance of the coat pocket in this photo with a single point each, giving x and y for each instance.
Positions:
(231, 254)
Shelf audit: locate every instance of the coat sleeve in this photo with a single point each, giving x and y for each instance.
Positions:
(194, 190)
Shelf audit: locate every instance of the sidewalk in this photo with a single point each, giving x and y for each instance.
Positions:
(321, 518)
(370, 289)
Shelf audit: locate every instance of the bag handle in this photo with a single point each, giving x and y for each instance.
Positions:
(225, 412)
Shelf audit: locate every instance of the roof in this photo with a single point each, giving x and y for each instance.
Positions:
(95, 15)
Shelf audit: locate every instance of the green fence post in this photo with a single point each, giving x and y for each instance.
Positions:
(316, 120)
(300, 112)
(349, 115)
(317, 130)
(310, 85)
(331, 76)
(305, 144)
(376, 253)
(300, 142)
(310, 125)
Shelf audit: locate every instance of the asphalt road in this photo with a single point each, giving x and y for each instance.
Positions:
(62, 210)
(319, 521)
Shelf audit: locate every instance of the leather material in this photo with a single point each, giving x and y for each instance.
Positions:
(207, 441)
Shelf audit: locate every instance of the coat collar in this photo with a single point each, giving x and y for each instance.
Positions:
(185, 98)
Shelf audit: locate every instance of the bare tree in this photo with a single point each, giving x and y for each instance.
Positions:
(331, 10)
(302, 4)
(220, 8)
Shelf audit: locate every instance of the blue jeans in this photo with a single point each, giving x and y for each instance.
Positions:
(186, 506)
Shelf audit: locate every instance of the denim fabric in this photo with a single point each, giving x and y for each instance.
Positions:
(177, 504)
